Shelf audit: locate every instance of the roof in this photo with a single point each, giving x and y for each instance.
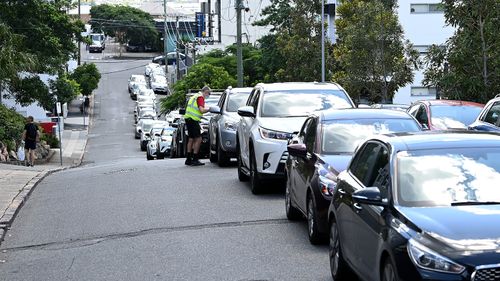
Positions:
(363, 114)
(451, 103)
(440, 140)
(239, 90)
(299, 86)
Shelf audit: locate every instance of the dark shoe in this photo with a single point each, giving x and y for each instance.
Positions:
(197, 163)
(188, 162)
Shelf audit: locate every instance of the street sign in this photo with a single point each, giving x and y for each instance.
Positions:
(58, 108)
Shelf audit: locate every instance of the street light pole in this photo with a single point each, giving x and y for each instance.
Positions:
(165, 41)
(79, 41)
(323, 41)
(239, 51)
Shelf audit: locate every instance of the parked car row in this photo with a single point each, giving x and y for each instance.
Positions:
(400, 192)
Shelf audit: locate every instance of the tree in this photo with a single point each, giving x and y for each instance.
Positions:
(471, 55)
(42, 44)
(87, 76)
(11, 126)
(375, 59)
(199, 75)
(125, 24)
(297, 40)
(64, 89)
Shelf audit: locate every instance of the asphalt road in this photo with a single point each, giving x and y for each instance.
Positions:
(121, 217)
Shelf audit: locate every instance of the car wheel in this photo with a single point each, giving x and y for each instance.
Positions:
(149, 157)
(160, 155)
(222, 157)
(338, 267)
(292, 213)
(315, 237)
(241, 175)
(388, 273)
(143, 147)
(255, 181)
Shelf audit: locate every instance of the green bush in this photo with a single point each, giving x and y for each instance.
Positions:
(11, 126)
(51, 140)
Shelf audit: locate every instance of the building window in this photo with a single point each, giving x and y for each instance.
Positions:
(422, 49)
(418, 91)
(426, 8)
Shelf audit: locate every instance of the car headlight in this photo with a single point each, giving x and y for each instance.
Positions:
(230, 126)
(269, 134)
(426, 258)
(327, 180)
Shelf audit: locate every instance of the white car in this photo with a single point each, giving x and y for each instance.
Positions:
(136, 88)
(149, 69)
(159, 84)
(273, 113)
(144, 124)
(159, 145)
(136, 80)
(146, 135)
(146, 94)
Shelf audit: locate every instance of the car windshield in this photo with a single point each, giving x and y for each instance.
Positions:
(302, 102)
(343, 136)
(138, 79)
(145, 113)
(146, 126)
(236, 100)
(156, 130)
(160, 79)
(168, 132)
(456, 117)
(442, 177)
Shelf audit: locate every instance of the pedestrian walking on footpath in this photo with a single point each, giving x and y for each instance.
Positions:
(30, 137)
(194, 111)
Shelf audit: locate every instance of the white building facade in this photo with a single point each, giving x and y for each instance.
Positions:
(424, 24)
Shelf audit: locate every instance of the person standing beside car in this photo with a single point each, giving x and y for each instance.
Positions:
(30, 137)
(194, 111)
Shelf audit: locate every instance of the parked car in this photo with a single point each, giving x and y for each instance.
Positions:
(223, 125)
(97, 42)
(419, 207)
(159, 143)
(146, 135)
(322, 149)
(171, 58)
(136, 80)
(273, 112)
(159, 84)
(401, 107)
(149, 68)
(445, 114)
(173, 117)
(139, 47)
(144, 94)
(488, 120)
(143, 125)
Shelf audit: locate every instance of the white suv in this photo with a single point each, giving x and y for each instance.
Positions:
(272, 114)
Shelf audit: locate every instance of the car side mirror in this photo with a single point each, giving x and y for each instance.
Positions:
(147, 134)
(182, 111)
(140, 131)
(174, 125)
(369, 196)
(157, 135)
(215, 109)
(297, 150)
(246, 111)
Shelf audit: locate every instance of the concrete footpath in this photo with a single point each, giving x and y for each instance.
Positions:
(17, 182)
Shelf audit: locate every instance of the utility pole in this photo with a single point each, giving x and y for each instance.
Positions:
(219, 30)
(165, 41)
(323, 41)
(79, 41)
(210, 19)
(239, 51)
(186, 54)
(177, 60)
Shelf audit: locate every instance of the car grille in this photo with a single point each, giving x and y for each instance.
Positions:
(487, 274)
(284, 157)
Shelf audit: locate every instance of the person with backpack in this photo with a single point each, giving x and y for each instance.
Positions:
(30, 137)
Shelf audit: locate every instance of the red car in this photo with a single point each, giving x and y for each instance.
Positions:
(445, 114)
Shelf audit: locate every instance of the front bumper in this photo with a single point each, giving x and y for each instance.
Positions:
(271, 156)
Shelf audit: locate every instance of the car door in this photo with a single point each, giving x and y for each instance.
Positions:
(214, 123)
(490, 120)
(369, 220)
(307, 164)
(345, 209)
(246, 124)
(297, 168)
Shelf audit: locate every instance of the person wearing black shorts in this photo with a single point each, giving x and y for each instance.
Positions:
(30, 136)
(194, 111)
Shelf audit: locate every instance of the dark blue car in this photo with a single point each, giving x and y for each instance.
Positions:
(489, 118)
(323, 149)
(419, 206)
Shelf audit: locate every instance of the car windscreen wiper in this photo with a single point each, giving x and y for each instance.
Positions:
(472, 203)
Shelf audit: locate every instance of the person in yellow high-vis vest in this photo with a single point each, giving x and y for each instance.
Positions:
(194, 111)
